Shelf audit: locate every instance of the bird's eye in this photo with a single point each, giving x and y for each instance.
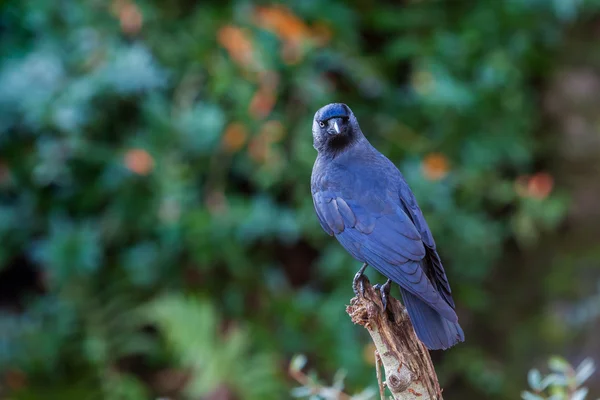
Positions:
(322, 124)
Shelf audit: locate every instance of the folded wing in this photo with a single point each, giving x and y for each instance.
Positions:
(434, 263)
(377, 230)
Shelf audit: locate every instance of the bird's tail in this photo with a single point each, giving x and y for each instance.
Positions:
(435, 331)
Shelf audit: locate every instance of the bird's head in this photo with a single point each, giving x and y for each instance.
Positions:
(334, 128)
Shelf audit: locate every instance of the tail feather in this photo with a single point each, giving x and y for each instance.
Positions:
(435, 331)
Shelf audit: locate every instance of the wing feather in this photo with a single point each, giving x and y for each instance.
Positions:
(379, 232)
(319, 208)
(347, 213)
(437, 272)
(337, 222)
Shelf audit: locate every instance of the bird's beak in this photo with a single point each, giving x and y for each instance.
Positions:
(336, 127)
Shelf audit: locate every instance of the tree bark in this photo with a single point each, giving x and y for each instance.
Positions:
(408, 368)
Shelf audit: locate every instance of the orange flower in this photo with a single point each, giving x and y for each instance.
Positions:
(538, 186)
(435, 166)
(139, 161)
(131, 18)
(237, 43)
(234, 137)
(285, 24)
(264, 99)
(262, 103)
(128, 14)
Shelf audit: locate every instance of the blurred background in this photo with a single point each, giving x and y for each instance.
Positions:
(157, 232)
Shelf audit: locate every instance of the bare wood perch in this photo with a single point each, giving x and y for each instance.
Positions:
(408, 368)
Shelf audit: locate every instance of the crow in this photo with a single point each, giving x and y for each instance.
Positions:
(362, 199)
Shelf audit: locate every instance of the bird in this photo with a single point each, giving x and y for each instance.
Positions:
(362, 199)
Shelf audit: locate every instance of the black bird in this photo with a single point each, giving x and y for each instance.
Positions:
(362, 199)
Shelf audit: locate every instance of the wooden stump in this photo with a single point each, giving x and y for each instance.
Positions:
(408, 368)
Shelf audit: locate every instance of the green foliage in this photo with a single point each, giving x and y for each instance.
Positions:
(191, 329)
(563, 383)
(153, 148)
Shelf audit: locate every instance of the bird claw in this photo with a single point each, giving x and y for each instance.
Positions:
(359, 288)
(385, 292)
(358, 283)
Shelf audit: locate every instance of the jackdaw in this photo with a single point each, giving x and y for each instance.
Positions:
(362, 199)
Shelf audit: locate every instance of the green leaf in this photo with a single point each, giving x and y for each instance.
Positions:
(552, 379)
(559, 364)
(584, 370)
(298, 362)
(301, 392)
(580, 394)
(534, 377)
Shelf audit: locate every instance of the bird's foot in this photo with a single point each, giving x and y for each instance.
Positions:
(385, 292)
(357, 282)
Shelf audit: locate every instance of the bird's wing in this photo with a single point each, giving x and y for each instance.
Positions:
(321, 210)
(437, 273)
(375, 229)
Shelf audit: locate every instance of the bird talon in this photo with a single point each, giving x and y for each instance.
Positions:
(385, 292)
(357, 282)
